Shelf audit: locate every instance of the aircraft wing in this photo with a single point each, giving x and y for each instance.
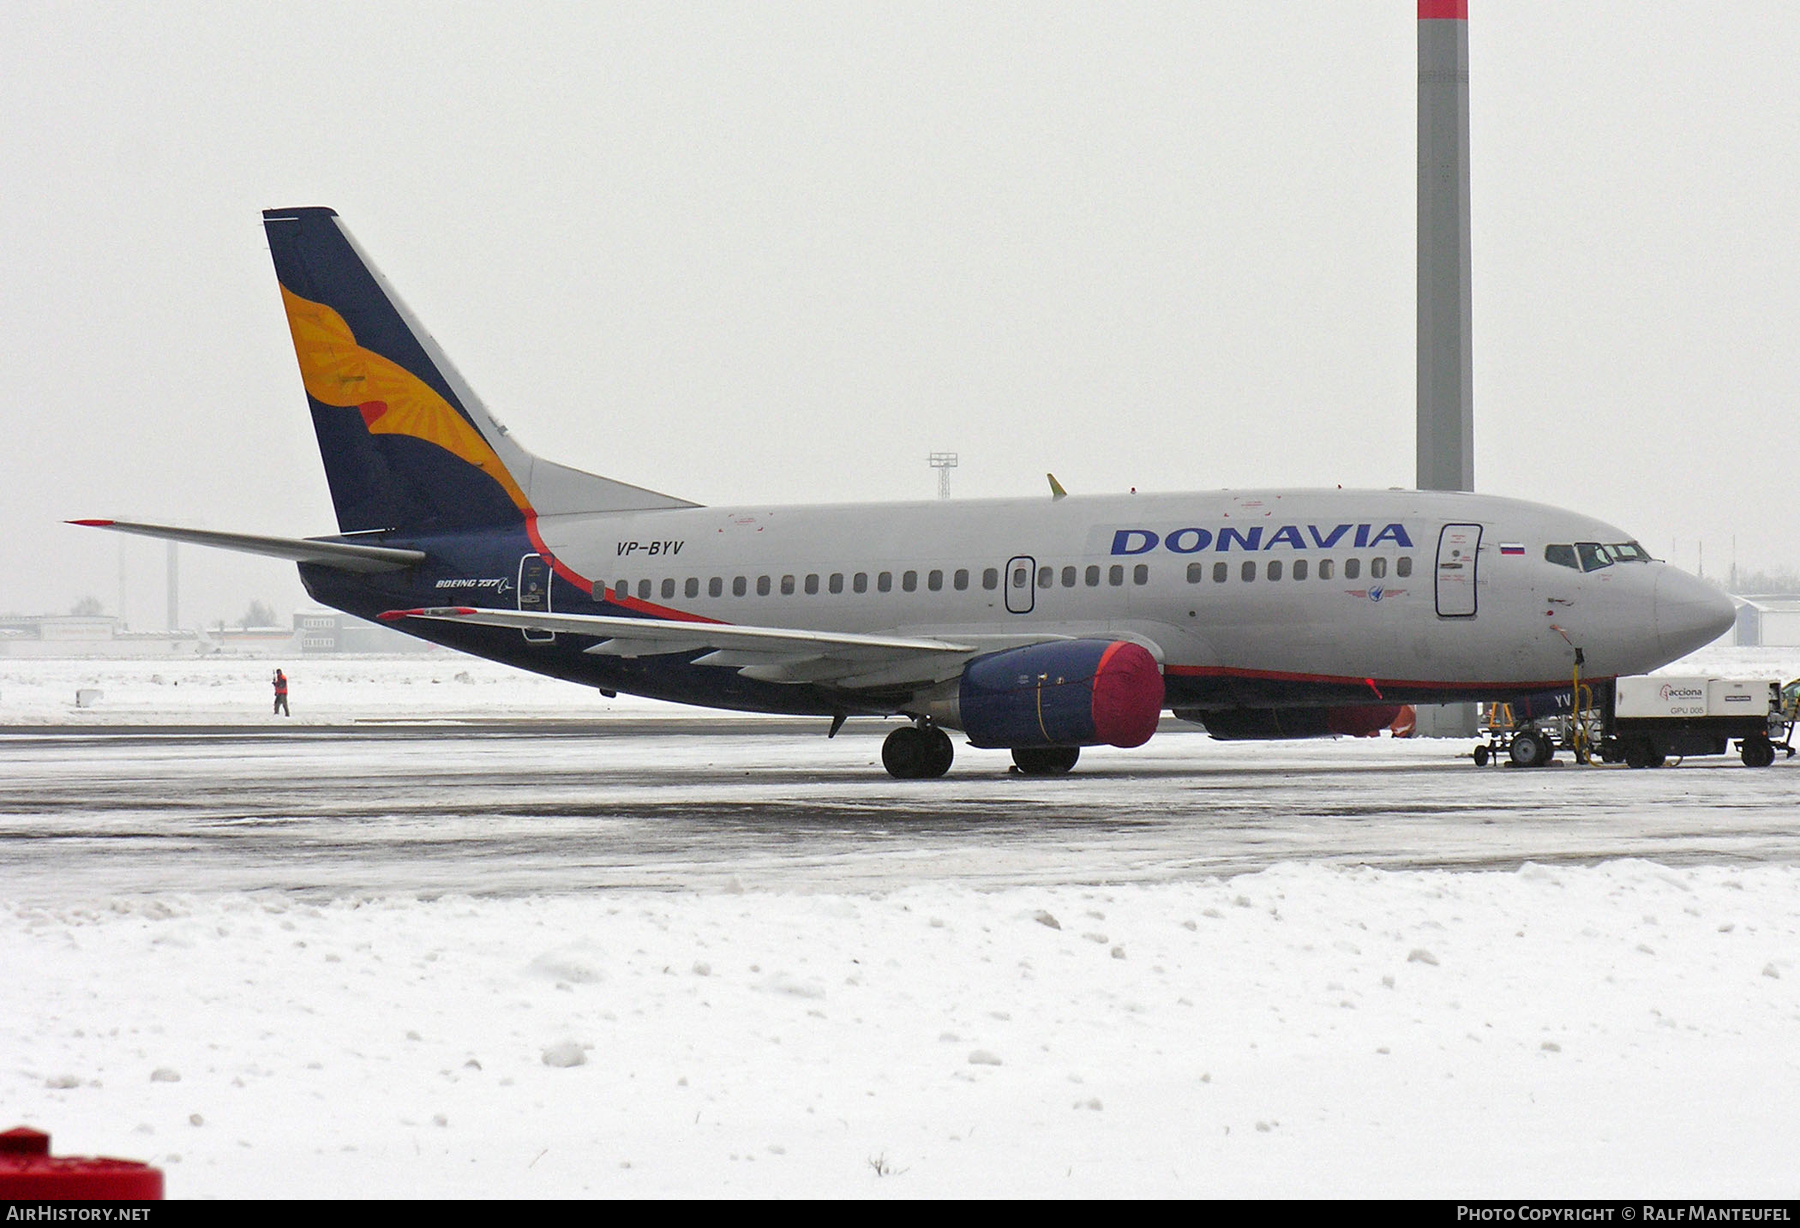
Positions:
(345, 556)
(767, 654)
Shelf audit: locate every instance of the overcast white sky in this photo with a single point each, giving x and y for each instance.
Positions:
(778, 253)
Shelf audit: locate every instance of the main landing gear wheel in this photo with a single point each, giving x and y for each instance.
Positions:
(1756, 752)
(1045, 760)
(1530, 748)
(917, 752)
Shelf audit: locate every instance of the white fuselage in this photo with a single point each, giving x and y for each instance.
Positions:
(1325, 585)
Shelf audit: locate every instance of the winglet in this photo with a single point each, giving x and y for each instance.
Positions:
(1056, 490)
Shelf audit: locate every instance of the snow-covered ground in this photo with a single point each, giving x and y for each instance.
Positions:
(1607, 1028)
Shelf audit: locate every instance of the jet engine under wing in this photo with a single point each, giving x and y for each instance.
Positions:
(345, 556)
(767, 654)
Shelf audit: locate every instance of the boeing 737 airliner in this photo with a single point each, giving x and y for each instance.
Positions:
(1037, 626)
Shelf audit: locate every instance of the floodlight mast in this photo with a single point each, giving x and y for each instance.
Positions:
(943, 462)
(1446, 400)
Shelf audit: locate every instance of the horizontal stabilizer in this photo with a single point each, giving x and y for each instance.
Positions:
(345, 556)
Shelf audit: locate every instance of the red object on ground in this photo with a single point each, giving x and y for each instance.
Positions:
(28, 1170)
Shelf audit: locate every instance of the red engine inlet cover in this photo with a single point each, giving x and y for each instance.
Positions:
(1128, 695)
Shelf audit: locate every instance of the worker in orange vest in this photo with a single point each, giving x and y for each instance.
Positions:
(281, 706)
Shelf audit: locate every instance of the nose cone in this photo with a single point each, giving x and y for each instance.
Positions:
(1690, 613)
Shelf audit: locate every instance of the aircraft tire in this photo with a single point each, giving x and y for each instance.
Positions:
(940, 753)
(903, 753)
(1045, 760)
(1529, 748)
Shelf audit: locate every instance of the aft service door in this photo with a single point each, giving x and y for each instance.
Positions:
(1019, 582)
(1459, 546)
(534, 593)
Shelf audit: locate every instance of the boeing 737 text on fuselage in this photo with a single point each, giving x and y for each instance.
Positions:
(1037, 626)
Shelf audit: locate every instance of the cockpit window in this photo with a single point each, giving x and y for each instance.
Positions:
(1562, 556)
(1628, 552)
(1593, 556)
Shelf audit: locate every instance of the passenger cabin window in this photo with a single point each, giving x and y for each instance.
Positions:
(1562, 556)
(1140, 574)
(644, 589)
(990, 578)
(1021, 577)
(836, 584)
(1196, 572)
(1249, 571)
(1068, 577)
(812, 584)
(692, 587)
(1352, 568)
(1593, 556)
(762, 586)
(909, 580)
(787, 586)
(1046, 577)
(1403, 567)
(934, 580)
(739, 586)
(961, 579)
(1115, 575)
(1326, 567)
(1274, 569)
(861, 582)
(1377, 567)
(1091, 577)
(668, 589)
(1299, 569)
(884, 581)
(621, 590)
(1220, 572)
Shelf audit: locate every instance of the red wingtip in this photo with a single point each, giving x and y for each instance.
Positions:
(1443, 10)
(91, 524)
(388, 616)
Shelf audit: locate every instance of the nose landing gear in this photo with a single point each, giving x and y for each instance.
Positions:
(917, 752)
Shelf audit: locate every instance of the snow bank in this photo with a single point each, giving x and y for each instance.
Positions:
(1621, 1030)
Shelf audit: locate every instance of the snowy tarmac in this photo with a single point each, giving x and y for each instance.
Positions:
(544, 945)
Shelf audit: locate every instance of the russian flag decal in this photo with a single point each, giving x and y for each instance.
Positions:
(1511, 548)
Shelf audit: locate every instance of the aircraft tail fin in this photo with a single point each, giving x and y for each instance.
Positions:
(406, 443)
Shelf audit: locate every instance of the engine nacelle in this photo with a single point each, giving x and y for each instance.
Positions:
(1257, 724)
(1062, 693)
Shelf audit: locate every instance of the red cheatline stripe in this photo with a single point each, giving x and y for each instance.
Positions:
(1275, 675)
(588, 586)
(1443, 10)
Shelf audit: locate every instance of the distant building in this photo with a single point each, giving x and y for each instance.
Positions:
(331, 631)
(1771, 621)
(98, 635)
(88, 635)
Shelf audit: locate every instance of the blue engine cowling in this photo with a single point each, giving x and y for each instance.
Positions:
(1062, 693)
